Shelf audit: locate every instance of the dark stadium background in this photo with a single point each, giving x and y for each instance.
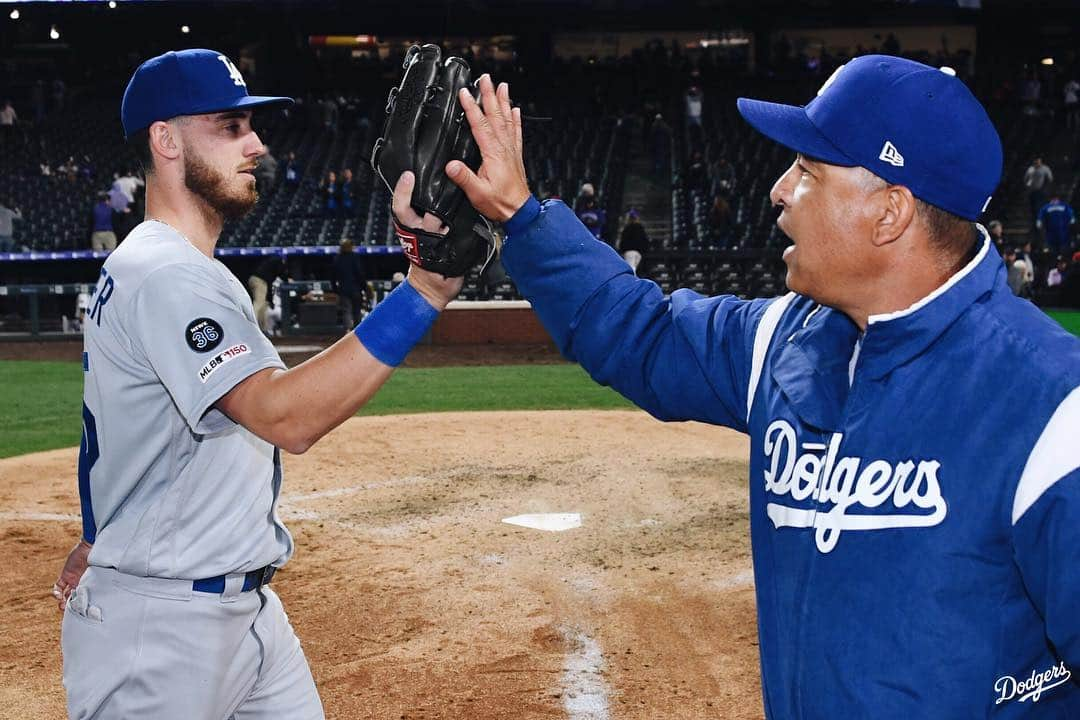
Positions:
(600, 71)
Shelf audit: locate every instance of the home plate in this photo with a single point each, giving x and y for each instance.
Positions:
(552, 522)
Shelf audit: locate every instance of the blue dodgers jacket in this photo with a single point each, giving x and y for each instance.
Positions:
(914, 492)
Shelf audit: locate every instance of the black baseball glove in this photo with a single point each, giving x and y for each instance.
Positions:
(425, 129)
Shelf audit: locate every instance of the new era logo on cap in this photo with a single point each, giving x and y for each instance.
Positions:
(891, 155)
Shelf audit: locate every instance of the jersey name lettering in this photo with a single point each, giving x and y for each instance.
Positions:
(845, 491)
(101, 294)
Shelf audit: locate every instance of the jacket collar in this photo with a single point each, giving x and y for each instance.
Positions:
(811, 364)
(893, 339)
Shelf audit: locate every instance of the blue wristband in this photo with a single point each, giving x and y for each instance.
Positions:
(396, 325)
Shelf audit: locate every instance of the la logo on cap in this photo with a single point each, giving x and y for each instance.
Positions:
(891, 155)
(831, 80)
(234, 73)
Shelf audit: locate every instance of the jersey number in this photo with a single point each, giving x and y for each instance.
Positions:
(88, 455)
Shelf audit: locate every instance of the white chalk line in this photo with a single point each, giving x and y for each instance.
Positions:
(584, 692)
(741, 579)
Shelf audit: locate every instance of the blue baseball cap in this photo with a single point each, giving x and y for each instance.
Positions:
(908, 123)
(186, 82)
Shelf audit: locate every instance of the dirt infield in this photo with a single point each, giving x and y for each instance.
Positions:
(413, 600)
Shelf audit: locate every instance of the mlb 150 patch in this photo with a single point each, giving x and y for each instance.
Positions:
(220, 359)
(203, 335)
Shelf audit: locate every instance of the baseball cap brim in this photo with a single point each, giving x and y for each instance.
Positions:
(247, 102)
(790, 126)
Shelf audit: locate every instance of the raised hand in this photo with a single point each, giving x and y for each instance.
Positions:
(500, 187)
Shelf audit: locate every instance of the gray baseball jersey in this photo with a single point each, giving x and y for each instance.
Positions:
(170, 486)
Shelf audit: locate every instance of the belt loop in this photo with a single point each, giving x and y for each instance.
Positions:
(234, 585)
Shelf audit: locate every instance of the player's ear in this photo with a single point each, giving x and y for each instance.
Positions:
(897, 210)
(164, 140)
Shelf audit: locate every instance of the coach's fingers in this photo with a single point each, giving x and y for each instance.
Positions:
(503, 96)
(519, 141)
(402, 201)
(488, 98)
(478, 123)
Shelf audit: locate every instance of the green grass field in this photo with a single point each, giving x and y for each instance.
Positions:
(42, 400)
(1069, 319)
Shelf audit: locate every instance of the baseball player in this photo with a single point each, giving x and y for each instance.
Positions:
(914, 468)
(185, 406)
(1056, 219)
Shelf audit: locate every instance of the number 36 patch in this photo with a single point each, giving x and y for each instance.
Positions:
(203, 335)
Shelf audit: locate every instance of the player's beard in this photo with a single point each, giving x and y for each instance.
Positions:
(213, 187)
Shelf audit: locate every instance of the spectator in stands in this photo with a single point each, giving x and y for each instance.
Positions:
(123, 219)
(272, 266)
(660, 141)
(8, 118)
(129, 184)
(997, 234)
(348, 193)
(266, 172)
(350, 284)
(1071, 92)
(1056, 219)
(634, 241)
(1015, 269)
(1031, 94)
(329, 111)
(696, 172)
(586, 194)
(69, 169)
(720, 216)
(1057, 273)
(102, 235)
(1036, 179)
(331, 193)
(593, 217)
(724, 175)
(292, 170)
(695, 101)
(1024, 255)
(7, 229)
(86, 168)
